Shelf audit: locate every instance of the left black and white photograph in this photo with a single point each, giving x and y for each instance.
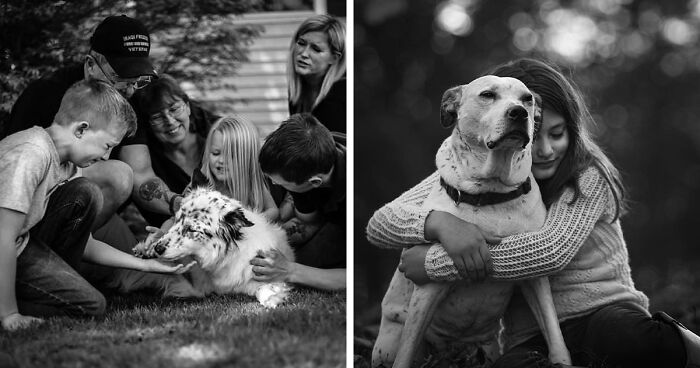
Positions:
(173, 183)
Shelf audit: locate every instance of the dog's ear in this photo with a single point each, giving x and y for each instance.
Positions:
(231, 224)
(449, 106)
(538, 112)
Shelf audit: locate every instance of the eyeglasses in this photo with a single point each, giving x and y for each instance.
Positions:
(121, 84)
(174, 111)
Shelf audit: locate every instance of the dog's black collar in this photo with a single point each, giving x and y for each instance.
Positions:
(485, 199)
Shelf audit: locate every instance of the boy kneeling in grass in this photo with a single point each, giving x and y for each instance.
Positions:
(46, 211)
(306, 159)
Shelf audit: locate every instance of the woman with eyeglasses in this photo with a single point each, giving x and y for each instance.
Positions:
(316, 71)
(177, 128)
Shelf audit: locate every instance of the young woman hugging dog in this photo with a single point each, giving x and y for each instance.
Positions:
(603, 318)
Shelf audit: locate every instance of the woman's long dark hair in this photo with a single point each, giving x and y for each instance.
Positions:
(563, 97)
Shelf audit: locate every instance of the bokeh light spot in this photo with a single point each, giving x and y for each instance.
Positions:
(678, 32)
(570, 34)
(453, 18)
(525, 39)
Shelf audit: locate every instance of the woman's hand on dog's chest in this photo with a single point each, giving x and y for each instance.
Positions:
(271, 266)
(465, 243)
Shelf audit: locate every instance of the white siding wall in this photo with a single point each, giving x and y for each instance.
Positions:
(260, 93)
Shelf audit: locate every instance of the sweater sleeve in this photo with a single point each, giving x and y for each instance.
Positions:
(401, 223)
(548, 250)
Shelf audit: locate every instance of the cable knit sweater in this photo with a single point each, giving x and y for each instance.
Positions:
(579, 246)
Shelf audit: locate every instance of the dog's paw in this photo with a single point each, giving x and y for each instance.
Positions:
(272, 295)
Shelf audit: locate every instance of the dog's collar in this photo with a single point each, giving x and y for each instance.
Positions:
(485, 199)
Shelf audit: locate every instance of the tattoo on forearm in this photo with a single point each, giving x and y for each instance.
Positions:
(154, 188)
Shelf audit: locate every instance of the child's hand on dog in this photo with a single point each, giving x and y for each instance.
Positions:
(146, 249)
(464, 242)
(154, 234)
(160, 266)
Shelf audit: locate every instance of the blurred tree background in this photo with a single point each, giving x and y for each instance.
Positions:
(191, 40)
(638, 62)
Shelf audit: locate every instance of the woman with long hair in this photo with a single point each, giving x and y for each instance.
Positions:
(316, 71)
(603, 317)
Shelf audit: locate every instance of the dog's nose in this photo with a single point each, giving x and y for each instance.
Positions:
(160, 249)
(517, 114)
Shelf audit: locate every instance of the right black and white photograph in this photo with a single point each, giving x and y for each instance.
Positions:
(525, 177)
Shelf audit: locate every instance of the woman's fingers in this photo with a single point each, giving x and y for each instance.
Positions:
(479, 267)
(257, 261)
(461, 266)
(262, 270)
(488, 262)
(470, 268)
(261, 277)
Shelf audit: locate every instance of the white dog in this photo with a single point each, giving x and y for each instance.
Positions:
(222, 236)
(485, 179)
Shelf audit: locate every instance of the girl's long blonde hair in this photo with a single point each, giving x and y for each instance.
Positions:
(335, 30)
(241, 147)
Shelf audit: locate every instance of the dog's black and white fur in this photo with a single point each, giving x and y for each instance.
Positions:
(222, 236)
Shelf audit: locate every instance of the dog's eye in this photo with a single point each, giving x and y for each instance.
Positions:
(527, 99)
(487, 94)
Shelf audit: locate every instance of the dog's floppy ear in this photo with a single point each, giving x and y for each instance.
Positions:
(449, 106)
(231, 224)
(538, 112)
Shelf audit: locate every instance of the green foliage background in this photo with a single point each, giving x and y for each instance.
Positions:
(196, 40)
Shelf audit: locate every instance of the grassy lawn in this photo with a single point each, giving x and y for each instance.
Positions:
(221, 331)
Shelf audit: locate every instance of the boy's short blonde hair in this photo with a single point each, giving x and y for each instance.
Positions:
(98, 103)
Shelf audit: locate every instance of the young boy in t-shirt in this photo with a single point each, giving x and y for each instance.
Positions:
(42, 237)
(303, 157)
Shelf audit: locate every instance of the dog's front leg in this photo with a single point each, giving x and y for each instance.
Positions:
(424, 301)
(538, 294)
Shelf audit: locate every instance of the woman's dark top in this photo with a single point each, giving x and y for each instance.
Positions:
(331, 110)
(174, 177)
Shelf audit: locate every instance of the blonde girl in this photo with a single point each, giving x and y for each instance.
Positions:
(230, 163)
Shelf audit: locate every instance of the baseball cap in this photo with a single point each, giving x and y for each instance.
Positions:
(125, 42)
